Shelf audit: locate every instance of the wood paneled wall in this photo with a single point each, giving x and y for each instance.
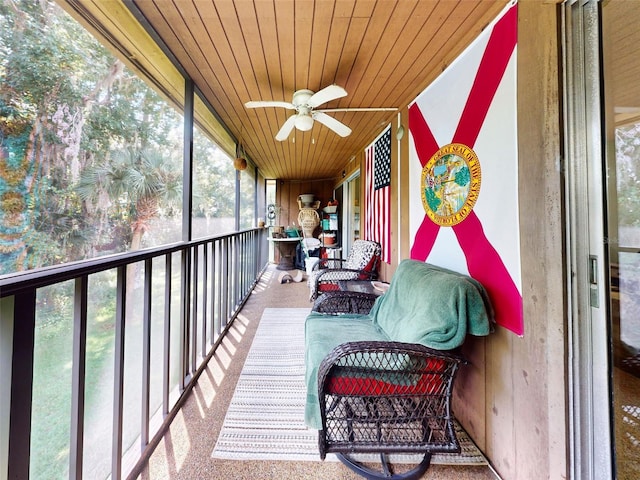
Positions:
(287, 192)
(527, 425)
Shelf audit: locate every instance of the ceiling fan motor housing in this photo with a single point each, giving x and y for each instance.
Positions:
(301, 97)
(304, 120)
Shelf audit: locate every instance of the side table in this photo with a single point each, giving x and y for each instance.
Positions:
(287, 248)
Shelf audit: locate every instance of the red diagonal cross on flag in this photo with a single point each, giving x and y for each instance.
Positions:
(483, 262)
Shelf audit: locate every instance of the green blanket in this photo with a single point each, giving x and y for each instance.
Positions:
(432, 306)
(425, 304)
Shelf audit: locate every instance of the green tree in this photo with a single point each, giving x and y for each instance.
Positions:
(66, 106)
(214, 180)
(628, 174)
(53, 74)
(132, 187)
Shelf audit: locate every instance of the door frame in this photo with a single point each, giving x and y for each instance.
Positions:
(346, 210)
(589, 361)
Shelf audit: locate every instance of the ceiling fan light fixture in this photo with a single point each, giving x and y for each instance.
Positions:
(304, 123)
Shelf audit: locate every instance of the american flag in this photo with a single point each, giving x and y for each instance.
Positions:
(377, 225)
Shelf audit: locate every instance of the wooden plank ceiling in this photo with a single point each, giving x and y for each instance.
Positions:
(622, 50)
(384, 53)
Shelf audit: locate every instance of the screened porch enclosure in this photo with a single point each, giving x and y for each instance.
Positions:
(134, 180)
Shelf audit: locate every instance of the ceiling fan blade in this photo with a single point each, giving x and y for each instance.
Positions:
(335, 125)
(326, 95)
(286, 128)
(365, 109)
(269, 103)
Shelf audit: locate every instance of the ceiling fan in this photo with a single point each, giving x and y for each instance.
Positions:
(304, 102)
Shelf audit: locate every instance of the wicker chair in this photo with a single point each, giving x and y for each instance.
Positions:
(373, 384)
(361, 264)
(386, 398)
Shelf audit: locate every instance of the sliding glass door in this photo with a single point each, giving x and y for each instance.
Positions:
(621, 61)
(602, 97)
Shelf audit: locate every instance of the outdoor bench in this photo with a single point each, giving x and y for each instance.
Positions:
(381, 382)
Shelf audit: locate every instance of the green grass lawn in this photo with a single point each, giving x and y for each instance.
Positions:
(50, 438)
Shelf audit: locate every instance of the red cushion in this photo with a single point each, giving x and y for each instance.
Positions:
(429, 383)
(328, 287)
(369, 267)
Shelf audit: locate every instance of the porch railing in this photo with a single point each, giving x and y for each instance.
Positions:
(139, 327)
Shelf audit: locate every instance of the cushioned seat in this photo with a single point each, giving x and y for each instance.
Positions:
(321, 338)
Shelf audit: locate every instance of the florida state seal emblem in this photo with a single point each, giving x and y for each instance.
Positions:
(450, 184)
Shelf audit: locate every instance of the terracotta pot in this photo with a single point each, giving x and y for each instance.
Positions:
(329, 238)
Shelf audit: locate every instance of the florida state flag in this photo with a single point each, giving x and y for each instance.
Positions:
(464, 169)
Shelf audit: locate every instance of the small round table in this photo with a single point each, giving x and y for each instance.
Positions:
(287, 248)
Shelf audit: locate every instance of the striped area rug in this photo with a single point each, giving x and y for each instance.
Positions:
(265, 420)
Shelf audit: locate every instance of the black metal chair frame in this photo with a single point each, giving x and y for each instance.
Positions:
(329, 267)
